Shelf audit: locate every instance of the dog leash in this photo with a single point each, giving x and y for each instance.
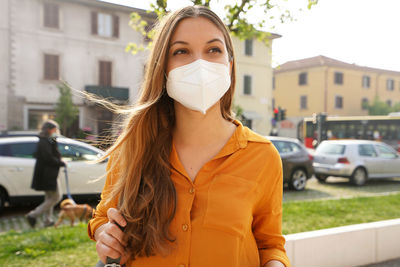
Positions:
(67, 184)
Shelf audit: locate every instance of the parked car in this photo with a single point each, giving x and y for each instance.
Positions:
(296, 161)
(17, 164)
(357, 160)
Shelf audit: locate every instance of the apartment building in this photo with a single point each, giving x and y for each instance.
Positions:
(80, 41)
(83, 43)
(254, 83)
(322, 84)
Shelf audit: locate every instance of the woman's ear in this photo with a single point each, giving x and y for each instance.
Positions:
(230, 67)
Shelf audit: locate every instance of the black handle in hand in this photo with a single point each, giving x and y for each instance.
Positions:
(109, 261)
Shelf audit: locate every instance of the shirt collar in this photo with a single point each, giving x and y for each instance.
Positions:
(239, 140)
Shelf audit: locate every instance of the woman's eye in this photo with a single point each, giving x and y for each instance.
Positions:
(179, 51)
(215, 50)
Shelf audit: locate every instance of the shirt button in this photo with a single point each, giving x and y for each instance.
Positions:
(185, 227)
(181, 265)
(191, 190)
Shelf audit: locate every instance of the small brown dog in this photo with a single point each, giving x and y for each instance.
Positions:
(71, 210)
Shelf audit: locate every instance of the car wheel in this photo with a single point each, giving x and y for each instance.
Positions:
(359, 176)
(298, 180)
(321, 178)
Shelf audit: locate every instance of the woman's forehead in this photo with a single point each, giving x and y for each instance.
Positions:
(196, 29)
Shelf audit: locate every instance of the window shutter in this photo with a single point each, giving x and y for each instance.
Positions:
(94, 22)
(105, 73)
(56, 66)
(115, 26)
(51, 67)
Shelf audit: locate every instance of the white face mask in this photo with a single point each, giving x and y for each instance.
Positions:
(53, 135)
(198, 85)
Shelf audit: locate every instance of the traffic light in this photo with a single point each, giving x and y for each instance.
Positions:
(283, 114)
(276, 114)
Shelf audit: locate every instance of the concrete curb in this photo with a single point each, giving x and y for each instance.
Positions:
(352, 245)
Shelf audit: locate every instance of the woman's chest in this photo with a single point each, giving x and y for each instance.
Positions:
(216, 201)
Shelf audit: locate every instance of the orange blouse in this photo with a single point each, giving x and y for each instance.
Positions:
(230, 215)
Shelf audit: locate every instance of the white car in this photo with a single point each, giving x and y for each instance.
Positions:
(17, 164)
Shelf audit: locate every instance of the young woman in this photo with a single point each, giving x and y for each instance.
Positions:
(191, 185)
(47, 166)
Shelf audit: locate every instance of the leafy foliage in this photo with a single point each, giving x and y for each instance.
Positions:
(236, 19)
(66, 111)
(379, 107)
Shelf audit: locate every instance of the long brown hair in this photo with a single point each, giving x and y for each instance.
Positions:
(140, 155)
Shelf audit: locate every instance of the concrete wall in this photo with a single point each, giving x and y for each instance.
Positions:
(347, 246)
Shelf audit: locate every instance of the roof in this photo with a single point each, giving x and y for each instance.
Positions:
(320, 61)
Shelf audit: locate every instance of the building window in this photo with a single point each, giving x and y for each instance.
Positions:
(273, 103)
(273, 83)
(303, 78)
(247, 85)
(338, 77)
(105, 73)
(51, 15)
(105, 25)
(36, 118)
(389, 102)
(390, 84)
(366, 81)
(303, 102)
(248, 47)
(364, 103)
(51, 67)
(338, 102)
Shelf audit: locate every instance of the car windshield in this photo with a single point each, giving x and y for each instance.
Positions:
(333, 149)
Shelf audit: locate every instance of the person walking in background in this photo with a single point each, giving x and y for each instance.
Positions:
(47, 166)
(191, 185)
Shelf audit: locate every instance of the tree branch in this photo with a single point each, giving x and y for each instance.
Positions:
(238, 11)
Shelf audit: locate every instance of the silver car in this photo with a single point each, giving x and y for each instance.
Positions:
(355, 159)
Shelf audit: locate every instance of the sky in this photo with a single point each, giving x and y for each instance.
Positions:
(364, 32)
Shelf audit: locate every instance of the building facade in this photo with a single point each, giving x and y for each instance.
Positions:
(83, 43)
(322, 84)
(253, 93)
(79, 41)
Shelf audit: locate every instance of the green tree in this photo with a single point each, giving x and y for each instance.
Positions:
(235, 19)
(66, 111)
(379, 107)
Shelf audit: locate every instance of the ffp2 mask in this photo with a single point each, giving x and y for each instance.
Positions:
(198, 85)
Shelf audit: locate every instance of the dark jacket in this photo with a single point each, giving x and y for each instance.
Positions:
(48, 163)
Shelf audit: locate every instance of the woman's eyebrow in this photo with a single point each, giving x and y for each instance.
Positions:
(186, 43)
(215, 40)
(179, 42)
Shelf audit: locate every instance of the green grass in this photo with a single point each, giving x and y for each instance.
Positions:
(315, 215)
(64, 246)
(68, 246)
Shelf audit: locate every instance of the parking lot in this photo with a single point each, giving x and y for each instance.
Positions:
(341, 188)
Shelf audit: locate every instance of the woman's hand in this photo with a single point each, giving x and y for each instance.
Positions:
(109, 237)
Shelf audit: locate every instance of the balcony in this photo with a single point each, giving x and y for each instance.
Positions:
(117, 95)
